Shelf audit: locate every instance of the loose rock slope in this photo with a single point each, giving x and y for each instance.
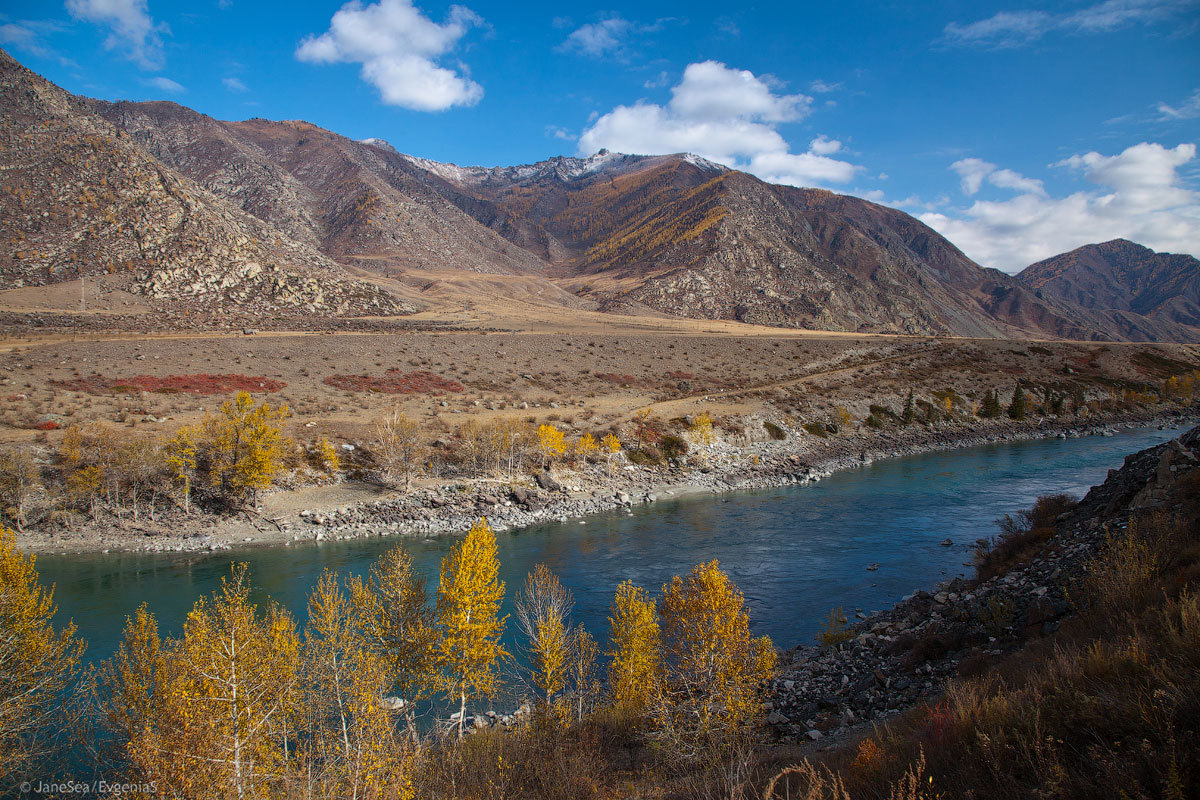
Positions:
(898, 657)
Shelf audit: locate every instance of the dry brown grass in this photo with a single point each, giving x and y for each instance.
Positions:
(1107, 707)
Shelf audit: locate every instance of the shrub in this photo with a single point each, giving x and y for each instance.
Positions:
(673, 447)
(815, 429)
(1022, 536)
(774, 431)
(647, 456)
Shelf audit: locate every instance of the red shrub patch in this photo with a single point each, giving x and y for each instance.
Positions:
(613, 377)
(680, 375)
(395, 382)
(199, 383)
(48, 425)
(938, 723)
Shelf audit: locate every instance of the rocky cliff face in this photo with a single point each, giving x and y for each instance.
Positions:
(82, 199)
(1122, 276)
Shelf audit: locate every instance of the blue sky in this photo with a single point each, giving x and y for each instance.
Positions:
(1017, 130)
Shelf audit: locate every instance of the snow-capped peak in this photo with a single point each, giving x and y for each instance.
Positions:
(703, 163)
(383, 144)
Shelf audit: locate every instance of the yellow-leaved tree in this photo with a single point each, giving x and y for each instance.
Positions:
(635, 665)
(181, 451)
(399, 625)
(702, 429)
(586, 445)
(352, 749)
(468, 617)
(223, 701)
(326, 455)
(37, 662)
(543, 611)
(584, 684)
(715, 671)
(247, 446)
(551, 444)
(612, 446)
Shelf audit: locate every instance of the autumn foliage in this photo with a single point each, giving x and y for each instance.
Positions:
(245, 702)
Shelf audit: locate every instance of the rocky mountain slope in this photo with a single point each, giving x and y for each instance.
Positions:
(682, 235)
(1124, 276)
(361, 203)
(81, 200)
(269, 216)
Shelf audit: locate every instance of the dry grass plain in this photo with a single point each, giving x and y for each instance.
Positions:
(582, 370)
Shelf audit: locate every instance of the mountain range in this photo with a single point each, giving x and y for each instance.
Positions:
(282, 218)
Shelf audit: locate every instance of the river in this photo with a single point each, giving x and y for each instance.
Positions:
(795, 551)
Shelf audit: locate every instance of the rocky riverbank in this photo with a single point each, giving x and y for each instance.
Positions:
(897, 658)
(434, 508)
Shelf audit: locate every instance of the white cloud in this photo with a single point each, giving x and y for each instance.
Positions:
(610, 37)
(235, 85)
(1188, 109)
(165, 85)
(726, 115)
(398, 48)
(599, 38)
(133, 29)
(974, 171)
(22, 36)
(821, 87)
(823, 146)
(1015, 28)
(1139, 196)
(1007, 179)
(662, 79)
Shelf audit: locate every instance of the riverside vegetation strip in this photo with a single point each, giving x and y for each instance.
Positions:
(756, 387)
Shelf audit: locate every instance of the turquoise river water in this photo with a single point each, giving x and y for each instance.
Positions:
(796, 552)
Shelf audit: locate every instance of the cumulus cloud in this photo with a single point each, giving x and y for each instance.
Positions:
(399, 49)
(1138, 196)
(1188, 109)
(1015, 28)
(133, 29)
(974, 171)
(166, 85)
(726, 115)
(824, 146)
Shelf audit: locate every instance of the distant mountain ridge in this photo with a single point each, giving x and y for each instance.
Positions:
(286, 217)
(1125, 276)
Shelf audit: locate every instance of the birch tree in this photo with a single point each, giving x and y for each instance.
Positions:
(468, 617)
